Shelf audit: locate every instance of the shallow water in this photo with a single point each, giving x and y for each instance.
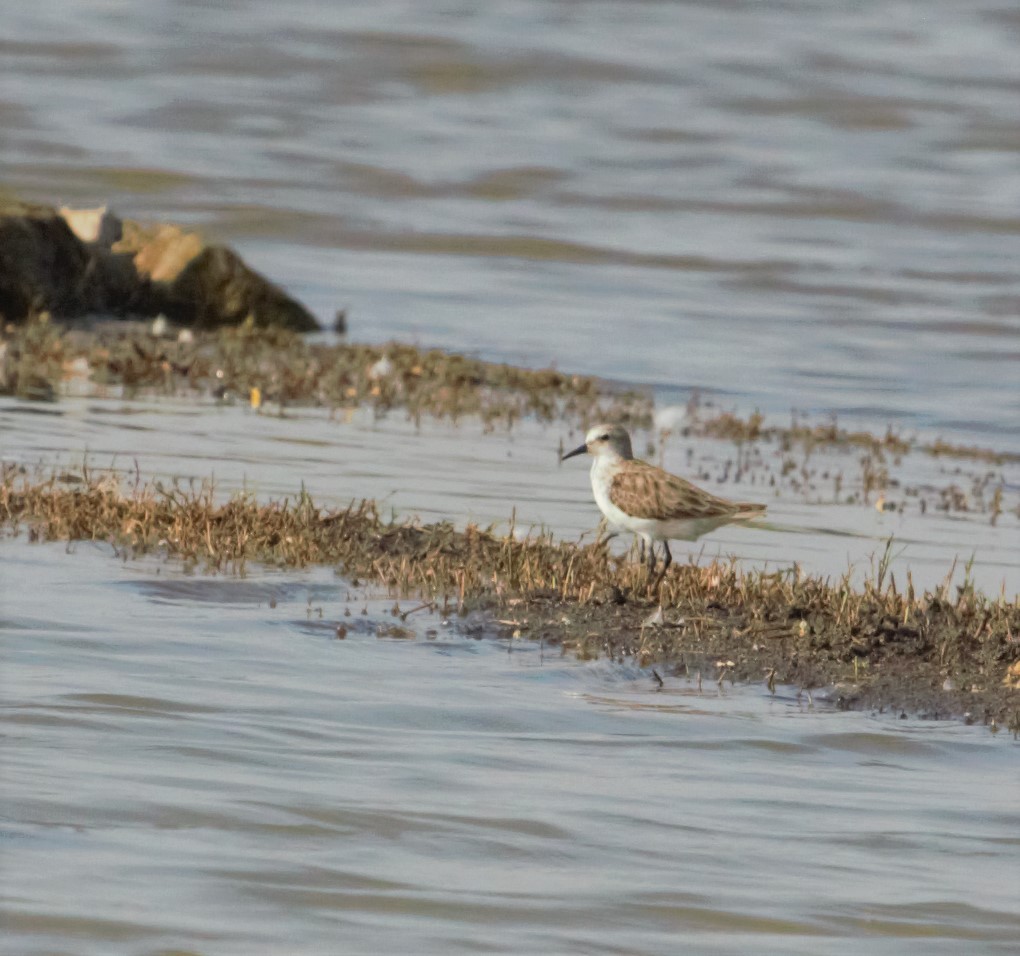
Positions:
(808, 205)
(189, 768)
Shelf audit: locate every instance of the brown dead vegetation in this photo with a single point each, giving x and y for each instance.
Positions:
(284, 369)
(804, 435)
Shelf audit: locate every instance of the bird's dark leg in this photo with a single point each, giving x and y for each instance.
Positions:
(641, 550)
(667, 559)
(651, 558)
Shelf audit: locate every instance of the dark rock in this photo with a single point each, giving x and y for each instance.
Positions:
(217, 288)
(45, 267)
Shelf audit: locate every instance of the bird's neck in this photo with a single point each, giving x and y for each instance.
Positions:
(606, 465)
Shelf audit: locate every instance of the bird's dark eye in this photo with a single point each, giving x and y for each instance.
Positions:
(604, 437)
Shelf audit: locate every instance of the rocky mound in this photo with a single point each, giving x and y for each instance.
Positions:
(74, 263)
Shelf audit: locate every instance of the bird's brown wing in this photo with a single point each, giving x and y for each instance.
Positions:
(645, 491)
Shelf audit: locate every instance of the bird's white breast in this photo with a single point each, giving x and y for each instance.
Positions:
(602, 474)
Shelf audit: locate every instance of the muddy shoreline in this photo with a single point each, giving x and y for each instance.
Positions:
(947, 652)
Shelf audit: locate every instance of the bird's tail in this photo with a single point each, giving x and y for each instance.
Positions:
(745, 510)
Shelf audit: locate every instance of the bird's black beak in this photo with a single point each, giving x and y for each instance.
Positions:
(579, 450)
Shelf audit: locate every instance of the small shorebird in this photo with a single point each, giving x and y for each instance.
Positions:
(642, 498)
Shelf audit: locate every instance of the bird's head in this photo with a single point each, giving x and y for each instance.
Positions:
(604, 441)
